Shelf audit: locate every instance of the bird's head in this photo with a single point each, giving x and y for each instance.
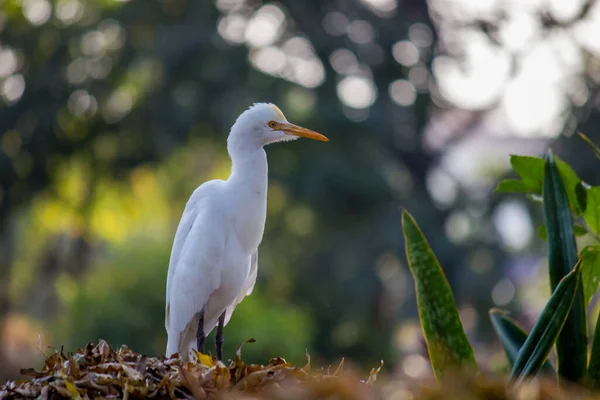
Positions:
(264, 123)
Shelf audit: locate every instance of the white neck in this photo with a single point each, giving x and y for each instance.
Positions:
(248, 160)
(249, 168)
(248, 187)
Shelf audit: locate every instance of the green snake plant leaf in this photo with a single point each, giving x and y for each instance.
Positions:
(512, 337)
(447, 343)
(571, 346)
(538, 345)
(578, 230)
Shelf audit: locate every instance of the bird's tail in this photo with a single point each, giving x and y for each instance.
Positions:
(182, 342)
(172, 344)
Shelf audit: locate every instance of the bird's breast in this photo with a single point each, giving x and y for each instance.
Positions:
(249, 222)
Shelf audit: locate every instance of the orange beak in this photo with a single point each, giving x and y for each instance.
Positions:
(296, 130)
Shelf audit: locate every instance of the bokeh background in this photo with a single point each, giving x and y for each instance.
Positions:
(113, 111)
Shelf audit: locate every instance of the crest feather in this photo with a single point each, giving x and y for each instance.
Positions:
(272, 106)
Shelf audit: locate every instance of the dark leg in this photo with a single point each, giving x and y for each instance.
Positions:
(200, 335)
(219, 338)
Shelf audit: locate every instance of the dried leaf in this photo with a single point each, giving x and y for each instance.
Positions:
(238, 352)
(307, 366)
(72, 389)
(254, 379)
(103, 349)
(373, 374)
(192, 384)
(339, 369)
(222, 377)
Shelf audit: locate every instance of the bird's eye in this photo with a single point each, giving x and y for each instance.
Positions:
(273, 124)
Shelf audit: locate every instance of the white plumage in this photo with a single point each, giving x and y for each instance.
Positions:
(213, 263)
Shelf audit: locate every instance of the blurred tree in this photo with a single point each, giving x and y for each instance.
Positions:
(125, 85)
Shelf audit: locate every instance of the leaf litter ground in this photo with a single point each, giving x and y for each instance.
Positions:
(98, 371)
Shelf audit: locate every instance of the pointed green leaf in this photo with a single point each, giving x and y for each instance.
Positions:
(531, 171)
(595, 149)
(512, 336)
(592, 211)
(512, 185)
(534, 352)
(572, 185)
(571, 347)
(447, 343)
(590, 272)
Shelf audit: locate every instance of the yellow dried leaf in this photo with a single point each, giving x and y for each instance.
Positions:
(72, 389)
(205, 359)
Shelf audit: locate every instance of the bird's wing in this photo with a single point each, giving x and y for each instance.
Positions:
(189, 241)
(247, 288)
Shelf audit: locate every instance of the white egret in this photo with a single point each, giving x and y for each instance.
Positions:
(214, 259)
